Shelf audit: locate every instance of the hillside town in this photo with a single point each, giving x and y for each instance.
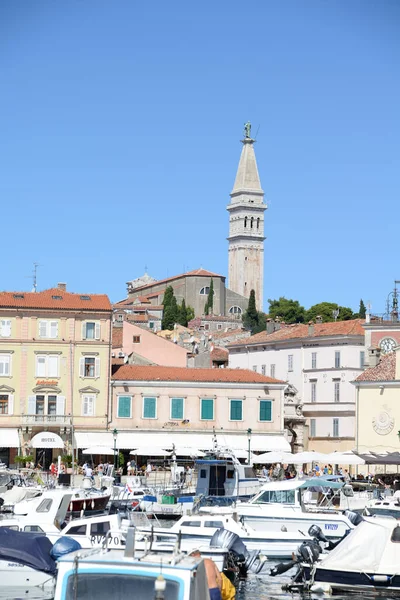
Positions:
(175, 363)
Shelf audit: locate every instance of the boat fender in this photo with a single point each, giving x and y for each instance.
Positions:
(136, 482)
(321, 588)
(64, 545)
(282, 568)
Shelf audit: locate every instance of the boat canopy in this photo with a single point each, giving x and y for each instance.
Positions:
(318, 482)
(372, 547)
(30, 549)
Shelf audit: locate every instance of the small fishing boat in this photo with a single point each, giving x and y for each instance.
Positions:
(367, 560)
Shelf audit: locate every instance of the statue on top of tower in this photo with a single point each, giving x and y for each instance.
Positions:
(247, 130)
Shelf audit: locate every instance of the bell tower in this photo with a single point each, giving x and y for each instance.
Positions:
(246, 225)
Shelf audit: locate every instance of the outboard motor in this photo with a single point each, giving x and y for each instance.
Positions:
(245, 560)
(316, 532)
(353, 517)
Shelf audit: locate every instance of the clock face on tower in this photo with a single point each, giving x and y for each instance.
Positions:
(387, 345)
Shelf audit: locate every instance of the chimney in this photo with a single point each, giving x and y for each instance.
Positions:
(62, 286)
(270, 326)
(311, 328)
(374, 356)
(277, 324)
(318, 319)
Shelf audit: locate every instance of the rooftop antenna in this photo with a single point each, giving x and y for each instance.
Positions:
(335, 313)
(34, 276)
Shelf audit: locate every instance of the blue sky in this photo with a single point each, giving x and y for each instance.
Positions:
(120, 124)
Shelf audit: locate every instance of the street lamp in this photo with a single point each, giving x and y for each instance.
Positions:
(249, 440)
(115, 435)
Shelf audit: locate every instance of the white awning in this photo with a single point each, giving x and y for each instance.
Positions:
(162, 440)
(9, 438)
(47, 439)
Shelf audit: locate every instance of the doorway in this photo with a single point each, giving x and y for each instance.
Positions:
(44, 457)
(217, 480)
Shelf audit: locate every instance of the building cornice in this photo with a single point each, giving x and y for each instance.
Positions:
(378, 384)
(200, 384)
(303, 342)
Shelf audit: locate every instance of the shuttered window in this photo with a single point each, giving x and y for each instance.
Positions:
(236, 412)
(5, 328)
(124, 407)
(88, 405)
(265, 410)
(149, 408)
(5, 365)
(48, 329)
(177, 409)
(207, 409)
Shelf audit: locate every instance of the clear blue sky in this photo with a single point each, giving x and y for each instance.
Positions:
(120, 124)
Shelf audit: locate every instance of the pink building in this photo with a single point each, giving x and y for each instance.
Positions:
(140, 346)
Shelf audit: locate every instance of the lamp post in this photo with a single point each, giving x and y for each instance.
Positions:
(115, 435)
(249, 440)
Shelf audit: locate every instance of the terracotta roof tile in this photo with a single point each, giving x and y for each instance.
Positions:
(55, 299)
(385, 370)
(219, 354)
(141, 318)
(301, 330)
(157, 373)
(231, 332)
(117, 337)
(195, 273)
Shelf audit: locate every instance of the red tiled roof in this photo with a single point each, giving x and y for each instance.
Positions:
(219, 354)
(141, 318)
(231, 332)
(117, 337)
(157, 373)
(197, 320)
(195, 273)
(301, 330)
(385, 370)
(55, 299)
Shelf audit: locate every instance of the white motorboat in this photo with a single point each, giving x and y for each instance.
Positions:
(291, 506)
(366, 560)
(386, 506)
(199, 529)
(101, 575)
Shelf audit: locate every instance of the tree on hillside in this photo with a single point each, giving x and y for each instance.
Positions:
(170, 309)
(252, 319)
(327, 310)
(288, 310)
(210, 299)
(182, 314)
(362, 311)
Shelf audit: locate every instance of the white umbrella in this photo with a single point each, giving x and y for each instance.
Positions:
(147, 451)
(309, 457)
(274, 457)
(99, 450)
(345, 458)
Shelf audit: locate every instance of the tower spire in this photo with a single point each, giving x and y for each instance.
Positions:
(246, 225)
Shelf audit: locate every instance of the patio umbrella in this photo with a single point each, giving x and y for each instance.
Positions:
(148, 451)
(309, 457)
(344, 458)
(274, 457)
(99, 450)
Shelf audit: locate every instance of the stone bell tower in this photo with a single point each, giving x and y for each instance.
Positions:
(246, 226)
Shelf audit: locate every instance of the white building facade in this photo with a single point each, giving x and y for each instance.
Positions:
(320, 361)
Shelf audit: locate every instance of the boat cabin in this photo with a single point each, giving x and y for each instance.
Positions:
(225, 477)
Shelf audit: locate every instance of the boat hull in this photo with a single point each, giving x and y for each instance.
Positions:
(17, 575)
(355, 581)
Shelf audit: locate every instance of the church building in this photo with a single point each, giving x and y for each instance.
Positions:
(246, 253)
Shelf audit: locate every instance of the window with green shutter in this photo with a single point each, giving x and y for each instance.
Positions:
(149, 408)
(207, 409)
(177, 409)
(265, 410)
(236, 410)
(124, 407)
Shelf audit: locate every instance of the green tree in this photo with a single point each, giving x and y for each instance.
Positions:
(210, 299)
(189, 313)
(252, 319)
(182, 314)
(362, 311)
(170, 309)
(290, 311)
(327, 310)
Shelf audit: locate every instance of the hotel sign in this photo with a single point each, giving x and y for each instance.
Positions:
(47, 382)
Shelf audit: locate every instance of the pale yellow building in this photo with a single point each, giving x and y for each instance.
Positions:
(378, 404)
(55, 349)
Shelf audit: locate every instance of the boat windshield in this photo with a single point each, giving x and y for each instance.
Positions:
(118, 586)
(276, 497)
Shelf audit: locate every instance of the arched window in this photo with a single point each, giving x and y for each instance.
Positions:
(258, 222)
(205, 291)
(235, 310)
(245, 221)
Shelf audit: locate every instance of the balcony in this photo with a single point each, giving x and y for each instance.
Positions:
(46, 420)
